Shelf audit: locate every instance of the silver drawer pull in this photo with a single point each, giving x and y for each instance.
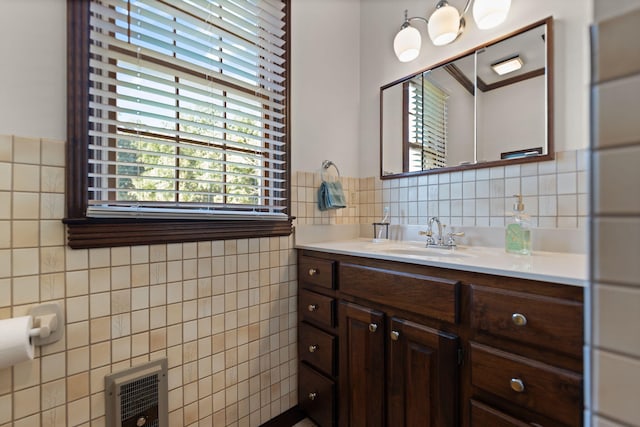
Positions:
(313, 348)
(518, 319)
(312, 307)
(517, 385)
(372, 327)
(313, 395)
(395, 335)
(313, 271)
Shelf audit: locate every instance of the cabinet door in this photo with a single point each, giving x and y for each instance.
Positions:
(423, 376)
(361, 366)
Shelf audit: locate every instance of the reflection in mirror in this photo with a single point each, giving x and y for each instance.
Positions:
(419, 117)
(469, 111)
(519, 96)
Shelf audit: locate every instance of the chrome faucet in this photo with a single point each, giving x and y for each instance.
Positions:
(440, 241)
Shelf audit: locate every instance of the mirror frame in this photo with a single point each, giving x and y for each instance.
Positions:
(492, 163)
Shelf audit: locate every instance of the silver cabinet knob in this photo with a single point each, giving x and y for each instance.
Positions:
(518, 319)
(312, 307)
(313, 348)
(313, 271)
(372, 327)
(313, 395)
(141, 421)
(395, 335)
(517, 385)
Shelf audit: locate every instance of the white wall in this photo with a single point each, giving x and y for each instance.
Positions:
(381, 19)
(33, 73)
(325, 70)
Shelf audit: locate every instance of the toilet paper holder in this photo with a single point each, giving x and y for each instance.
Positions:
(48, 323)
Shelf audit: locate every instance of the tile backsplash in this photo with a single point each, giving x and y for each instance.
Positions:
(222, 312)
(555, 194)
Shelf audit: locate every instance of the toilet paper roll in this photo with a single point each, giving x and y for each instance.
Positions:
(15, 343)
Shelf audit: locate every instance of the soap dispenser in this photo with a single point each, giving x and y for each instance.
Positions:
(518, 233)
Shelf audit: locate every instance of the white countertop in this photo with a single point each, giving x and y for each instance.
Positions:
(556, 267)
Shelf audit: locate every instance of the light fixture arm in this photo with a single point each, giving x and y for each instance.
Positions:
(466, 8)
(407, 20)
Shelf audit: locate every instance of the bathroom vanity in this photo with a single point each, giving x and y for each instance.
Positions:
(392, 338)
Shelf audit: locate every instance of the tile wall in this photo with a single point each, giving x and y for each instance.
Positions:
(615, 227)
(223, 312)
(555, 195)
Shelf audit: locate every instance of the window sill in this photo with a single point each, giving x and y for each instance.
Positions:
(84, 233)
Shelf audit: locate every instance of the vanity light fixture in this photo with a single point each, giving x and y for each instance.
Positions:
(446, 24)
(508, 65)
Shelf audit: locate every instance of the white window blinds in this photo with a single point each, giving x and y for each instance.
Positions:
(187, 109)
(427, 125)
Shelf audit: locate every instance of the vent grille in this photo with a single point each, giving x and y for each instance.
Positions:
(137, 396)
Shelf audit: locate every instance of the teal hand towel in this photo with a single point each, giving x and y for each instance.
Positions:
(331, 196)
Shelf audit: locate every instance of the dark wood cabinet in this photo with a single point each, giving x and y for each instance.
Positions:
(422, 372)
(391, 344)
(361, 366)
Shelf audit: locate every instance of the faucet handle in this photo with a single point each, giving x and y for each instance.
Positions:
(429, 234)
(451, 241)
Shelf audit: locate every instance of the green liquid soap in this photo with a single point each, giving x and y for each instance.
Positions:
(517, 239)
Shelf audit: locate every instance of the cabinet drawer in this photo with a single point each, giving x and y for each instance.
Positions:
(316, 308)
(316, 396)
(431, 296)
(316, 271)
(551, 323)
(545, 389)
(484, 416)
(317, 348)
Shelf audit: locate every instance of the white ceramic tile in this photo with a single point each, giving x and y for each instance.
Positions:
(567, 183)
(616, 316)
(26, 150)
(51, 206)
(5, 204)
(618, 175)
(615, 54)
(25, 261)
(615, 381)
(26, 290)
(25, 234)
(6, 148)
(53, 152)
(495, 173)
(614, 112)
(547, 184)
(620, 265)
(26, 177)
(529, 186)
(26, 205)
(512, 171)
(566, 161)
(568, 205)
(512, 187)
(496, 188)
(6, 176)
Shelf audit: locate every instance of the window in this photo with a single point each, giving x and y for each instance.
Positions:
(426, 129)
(177, 121)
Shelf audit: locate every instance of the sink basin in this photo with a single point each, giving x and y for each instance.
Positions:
(423, 252)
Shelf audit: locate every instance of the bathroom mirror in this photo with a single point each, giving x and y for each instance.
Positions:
(462, 113)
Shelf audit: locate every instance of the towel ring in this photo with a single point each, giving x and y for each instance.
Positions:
(326, 164)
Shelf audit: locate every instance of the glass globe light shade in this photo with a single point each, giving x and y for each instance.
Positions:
(444, 25)
(407, 44)
(490, 13)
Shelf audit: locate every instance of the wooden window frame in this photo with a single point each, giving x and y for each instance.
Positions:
(85, 232)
